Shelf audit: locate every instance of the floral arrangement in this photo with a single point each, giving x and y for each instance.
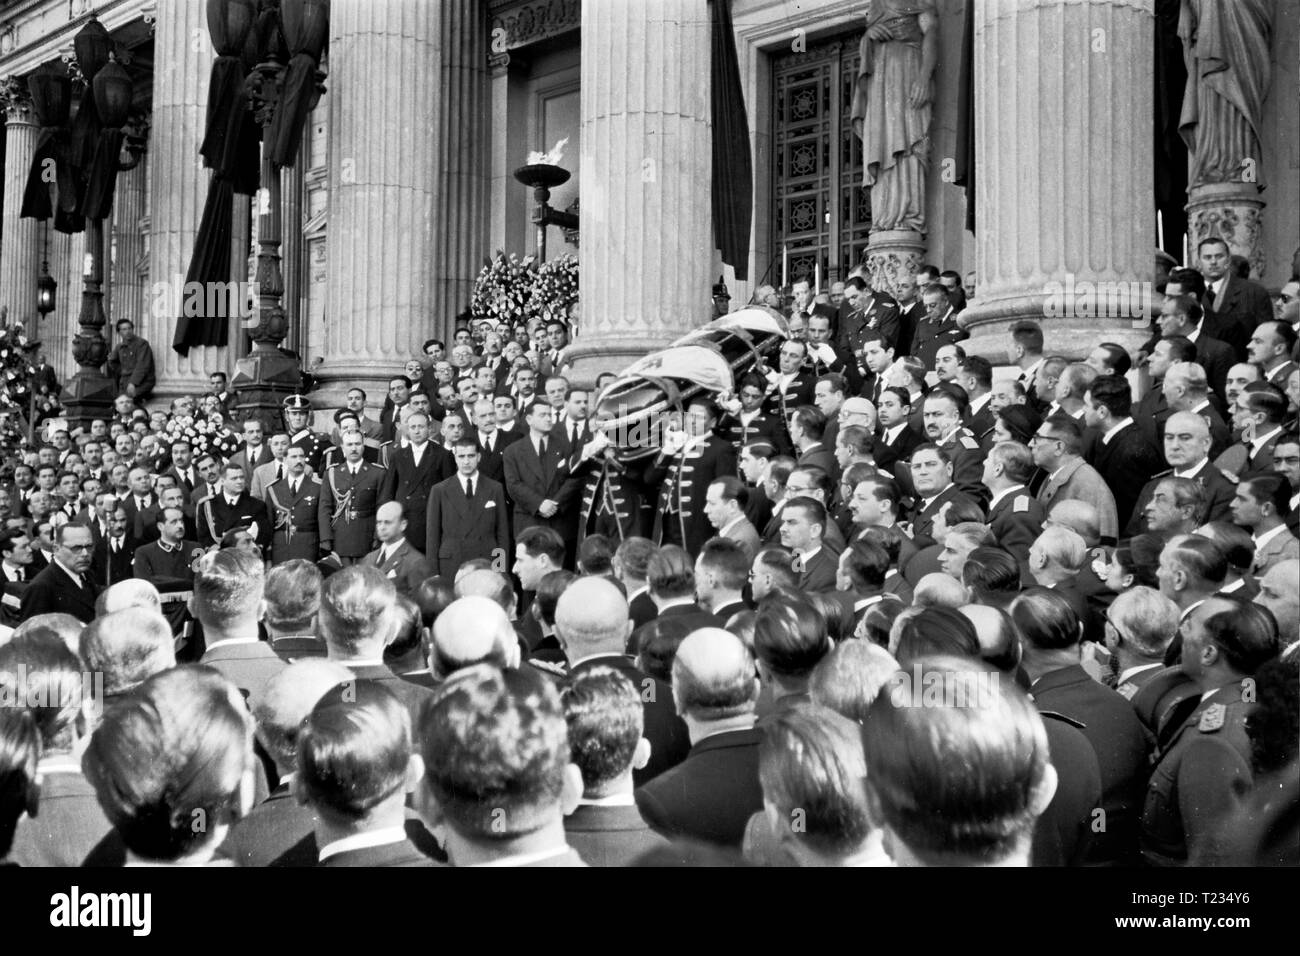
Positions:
(504, 288)
(17, 401)
(203, 434)
(513, 291)
(555, 290)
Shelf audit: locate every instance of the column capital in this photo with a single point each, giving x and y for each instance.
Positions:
(16, 99)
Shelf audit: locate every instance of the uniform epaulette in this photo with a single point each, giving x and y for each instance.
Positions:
(1163, 474)
(1020, 504)
(1212, 718)
(969, 441)
(1077, 724)
(1128, 690)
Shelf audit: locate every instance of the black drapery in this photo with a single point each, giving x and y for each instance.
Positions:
(229, 149)
(965, 169)
(1170, 153)
(57, 196)
(733, 167)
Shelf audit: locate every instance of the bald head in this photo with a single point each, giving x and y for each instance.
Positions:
(391, 511)
(1080, 517)
(939, 590)
(1278, 593)
(999, 644)
(472, 630)
(286, 702)
(592, 617)
(714, 676)
(133, 592)
(1188, 423)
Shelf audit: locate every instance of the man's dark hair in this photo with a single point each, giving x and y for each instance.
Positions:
(671, 573)
(1246, 635)
(1267, 398)
(549, 589)
(834, 380)
(1181, 348)
(726, 559)
(1117, 358)
(1234, 541)
(495, 746)
(1274, 489)
(866, 564)
(812, 420)
(1045, 620)
(605, 718)
(790, 636)
(978, 368)
(935, 630)
(1189, 281)
(596, 555)
(992, 575)
(538, 541)
(1113, 393)
(732, 489)
(1028, 335)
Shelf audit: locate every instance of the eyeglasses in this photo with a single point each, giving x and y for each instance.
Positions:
(79, 547)
(1039, 437)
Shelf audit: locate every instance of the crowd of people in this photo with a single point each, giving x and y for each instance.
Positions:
(876, 605)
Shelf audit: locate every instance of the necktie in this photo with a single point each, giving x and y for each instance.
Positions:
(279, 474)
(20, 575)
(541, 448)
(117, 545)
(573, 435)
(469, 488)
(293, 487)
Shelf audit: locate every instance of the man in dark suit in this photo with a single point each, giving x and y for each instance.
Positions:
(228, 588)
(605, 717)
(113, 554)
(808, 426)
(491, 440)
(466, 516)
(712, 793)
(16, 573)
(831, 358)
(348, 502)
(355, 762)
(572, 430)
(1233, 305)
(1123, 455)
(688, 463)
(399, 394)
(182, 467)
(255, 451)
(233, 507)
(1181, 315)
(897, 439)
(65, 586)
(864, 313)
(939, 328)
(911, 311)
(670, 574)
(803, 523)
(593, 624)
(540, 481)
(1015, 516)
(293, 504)
(412, 472)
(1051, 635)
(141, 506)
(168, 562)
(745, 420)
(395, 557)
(1187, 449)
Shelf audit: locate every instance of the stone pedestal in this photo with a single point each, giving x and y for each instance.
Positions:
(20, 253)
(646, 173)
(893, 254)
(178, 188)
(385, 224)
(1066, 228)
(1232, 212)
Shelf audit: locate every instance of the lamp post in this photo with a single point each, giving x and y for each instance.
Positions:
(542, 178)
(267, 375)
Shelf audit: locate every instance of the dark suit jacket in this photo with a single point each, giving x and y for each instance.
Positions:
(403, 854)
(819, 573)
(491, 463)
(388, 418)
(1243, 305)
(900, 450)
(710, 795)
(274, 833)
(1127, 462)
(1216, 358)
(216, 517)
(683, 482)
(642, 609)
(248, 666)
(107, 567)
(410, 484)
(1219, 492)
(1117, 738)
(53, 591)
(530, 481)
(142, 525)
(412, 695)
(818, 456)
(68, 825)
(1063, 834)
(406, 567)
(670, 741)
(248, 462)
(610, 836)
(458, 529)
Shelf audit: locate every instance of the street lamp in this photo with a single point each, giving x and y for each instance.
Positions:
(542, 178)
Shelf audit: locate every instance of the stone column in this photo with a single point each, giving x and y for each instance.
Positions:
(385, 228)
(126, 293)
(291, 249)
(460, 121)
(178, 188)
(647, 236)
(20, 253)
(1066, 227)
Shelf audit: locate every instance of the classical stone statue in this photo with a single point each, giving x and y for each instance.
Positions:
(1226, 47)
(891, 109)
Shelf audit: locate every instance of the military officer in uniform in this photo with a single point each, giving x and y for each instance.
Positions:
(233, 507)
(294, 502)
(168, 564)
(789, 387)
(348, 503)
(688, 463)
(745, 420)
(942, 416)
(297, 420)
(930, 474)
(1198, 772)
(1015, 515)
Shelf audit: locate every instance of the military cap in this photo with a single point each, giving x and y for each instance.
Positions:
(297, 403)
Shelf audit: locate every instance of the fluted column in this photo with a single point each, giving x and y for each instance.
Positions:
(178, 185)
(126, 293)
(1065, 223)
(647, 243)
(20, 248)
(385, 228)
(463, 168)
(292, 266)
